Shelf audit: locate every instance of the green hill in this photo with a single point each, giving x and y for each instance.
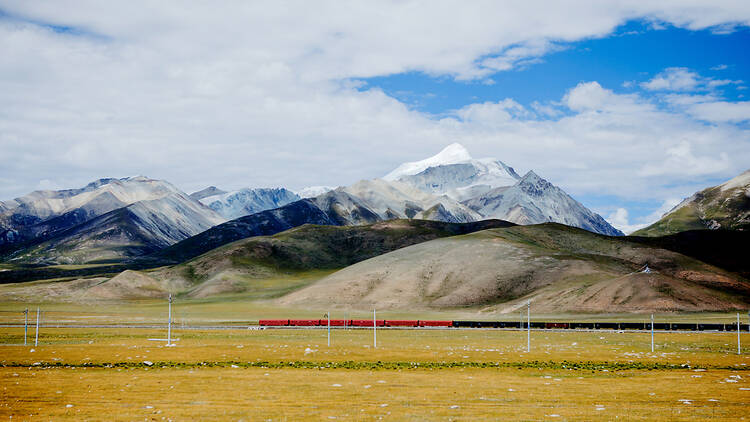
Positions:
(726, 206)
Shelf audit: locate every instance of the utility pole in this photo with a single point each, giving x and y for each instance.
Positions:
(25, 325)
(374, 330)
(36, 337)
(528, 323)
(329, 328)
(738, 334)
(652, 333)
(169, 324)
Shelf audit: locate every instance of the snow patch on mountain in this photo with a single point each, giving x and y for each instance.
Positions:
(248, 201)
(313, 191)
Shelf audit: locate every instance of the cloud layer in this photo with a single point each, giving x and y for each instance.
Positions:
(262, 94)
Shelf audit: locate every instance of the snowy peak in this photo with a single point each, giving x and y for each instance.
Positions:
(452, 154)
(454, 173)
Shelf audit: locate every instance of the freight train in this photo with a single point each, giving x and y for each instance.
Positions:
(368, 323)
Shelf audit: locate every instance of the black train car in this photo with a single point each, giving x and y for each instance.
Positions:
(711, 327)
(683, 326)
(633, 326)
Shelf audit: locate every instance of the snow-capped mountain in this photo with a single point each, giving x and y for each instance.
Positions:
(494, 190)
(130, 214)
(454, 173)
(313, 191)
(534, 200)
(248, 201)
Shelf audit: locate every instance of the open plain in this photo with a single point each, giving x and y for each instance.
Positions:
(291, 374)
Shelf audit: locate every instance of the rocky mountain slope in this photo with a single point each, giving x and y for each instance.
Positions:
(558, 268)
(533, 200)
(391, 200)
(726, 206)
(135, 230)
(495, 190)
(240, 203)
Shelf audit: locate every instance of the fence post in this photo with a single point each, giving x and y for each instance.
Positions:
(528, 323)
(738, 334)
(36, 337)
(25, 325)
(652, 333)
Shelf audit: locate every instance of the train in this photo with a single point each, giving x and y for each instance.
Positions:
(386, 323)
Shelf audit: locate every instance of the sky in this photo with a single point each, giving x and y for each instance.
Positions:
(627, 106)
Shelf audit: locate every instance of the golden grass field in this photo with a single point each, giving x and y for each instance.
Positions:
(291, 374)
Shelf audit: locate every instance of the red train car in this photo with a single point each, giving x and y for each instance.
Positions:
(274, 322)
(337, 322)
(556, 325)
(401, 323)
(304, 322)
(435, 323)
(367, 323)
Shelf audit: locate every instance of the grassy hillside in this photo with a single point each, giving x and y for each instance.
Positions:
(269, 266)
(559, 268)
(303, 254)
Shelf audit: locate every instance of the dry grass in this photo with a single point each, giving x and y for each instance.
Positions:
(530, 387)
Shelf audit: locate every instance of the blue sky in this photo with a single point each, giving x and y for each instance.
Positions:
(634, 52)
(628, 106)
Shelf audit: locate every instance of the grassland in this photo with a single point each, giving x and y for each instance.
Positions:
(111, 374)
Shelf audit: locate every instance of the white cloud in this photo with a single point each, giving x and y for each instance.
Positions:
(684, 79)
(679, 159)
(720, 67)
(261, 94)
(673, 79)
(721, 111)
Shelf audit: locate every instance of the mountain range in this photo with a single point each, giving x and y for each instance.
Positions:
(112, 220)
